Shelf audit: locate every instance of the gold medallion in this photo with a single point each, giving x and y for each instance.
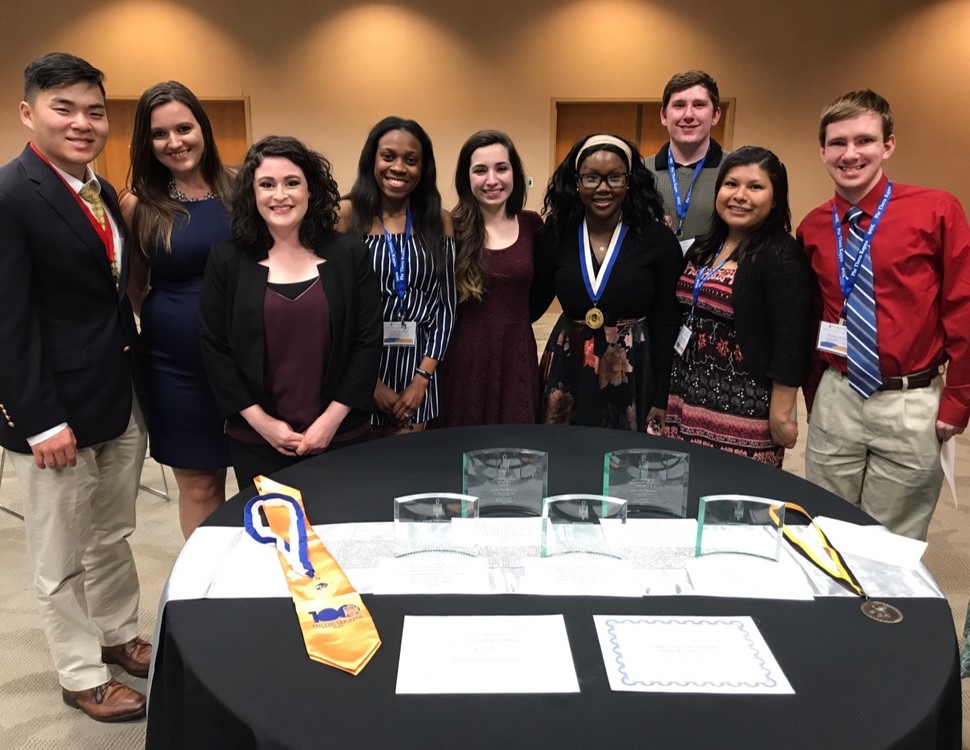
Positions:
(881, 612)
(594, 318)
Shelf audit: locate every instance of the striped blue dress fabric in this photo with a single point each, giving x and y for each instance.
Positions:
(863, 365)
(429, 302)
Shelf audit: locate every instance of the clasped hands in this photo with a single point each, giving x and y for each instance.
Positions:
(401, 407)
(287, 441)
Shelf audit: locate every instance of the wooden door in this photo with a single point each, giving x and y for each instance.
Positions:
(638, 122)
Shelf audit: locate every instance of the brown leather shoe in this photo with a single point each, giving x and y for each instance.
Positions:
(112, 701)
(134, 657)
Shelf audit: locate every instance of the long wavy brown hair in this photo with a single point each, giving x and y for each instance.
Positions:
(148, 179)
(467, 216)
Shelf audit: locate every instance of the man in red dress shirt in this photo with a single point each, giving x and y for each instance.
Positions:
(882, 450)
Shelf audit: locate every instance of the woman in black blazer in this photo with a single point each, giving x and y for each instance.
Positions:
(746, 296)
(291, 317)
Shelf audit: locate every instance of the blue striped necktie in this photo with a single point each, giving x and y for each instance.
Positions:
(861, 315)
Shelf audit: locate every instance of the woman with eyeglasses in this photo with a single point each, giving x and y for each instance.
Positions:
(746, 297)
(606, 253)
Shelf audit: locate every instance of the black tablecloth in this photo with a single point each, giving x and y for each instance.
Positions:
(234, 673)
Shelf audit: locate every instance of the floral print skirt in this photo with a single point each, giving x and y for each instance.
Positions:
(597, 378)
(715, 401)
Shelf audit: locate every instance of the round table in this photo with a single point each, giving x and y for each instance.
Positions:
(234, 672)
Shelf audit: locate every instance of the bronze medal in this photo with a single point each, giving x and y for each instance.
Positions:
(881, 612)
(594, 318)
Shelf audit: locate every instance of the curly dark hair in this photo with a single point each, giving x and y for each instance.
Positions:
(248, 228)
(563, 209)
(425, 200)
(467, 215)
(778, 221)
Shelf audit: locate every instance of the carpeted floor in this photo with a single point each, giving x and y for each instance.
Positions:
(33, 716)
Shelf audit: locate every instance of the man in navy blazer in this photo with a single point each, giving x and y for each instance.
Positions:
(71, 424)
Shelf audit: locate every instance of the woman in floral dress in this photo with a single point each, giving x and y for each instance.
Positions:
(746, 301)
(606, 253)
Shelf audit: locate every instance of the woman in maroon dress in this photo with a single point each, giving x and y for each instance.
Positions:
(491, 375)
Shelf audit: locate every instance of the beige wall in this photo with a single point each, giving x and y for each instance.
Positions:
(326, 72)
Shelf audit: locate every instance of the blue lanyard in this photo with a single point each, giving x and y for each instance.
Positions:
(682, 206)
(399, 261)
(701, 278)
(847, 277)
(604, 274)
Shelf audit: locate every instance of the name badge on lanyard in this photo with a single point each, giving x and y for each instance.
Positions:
(400, 333)
(833, 337)
(399, 262)
(703, 274)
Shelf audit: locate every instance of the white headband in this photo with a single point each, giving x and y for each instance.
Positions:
(606, 140)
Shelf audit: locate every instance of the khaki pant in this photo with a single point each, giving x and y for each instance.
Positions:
(78, 520)
(881, 453)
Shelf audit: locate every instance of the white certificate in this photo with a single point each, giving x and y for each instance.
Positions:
(486, 655)
(433, 573)
(688, 655)
(579, 575)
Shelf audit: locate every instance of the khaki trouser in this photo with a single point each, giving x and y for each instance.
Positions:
(880, 453)
(78, 520)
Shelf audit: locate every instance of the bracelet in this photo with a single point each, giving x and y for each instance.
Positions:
(423, 373)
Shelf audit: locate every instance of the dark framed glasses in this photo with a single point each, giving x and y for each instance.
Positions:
(592, 180)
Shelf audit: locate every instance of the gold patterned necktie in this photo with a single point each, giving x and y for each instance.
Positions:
(90, 195)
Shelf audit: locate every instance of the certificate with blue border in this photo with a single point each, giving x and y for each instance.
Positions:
(688, 655)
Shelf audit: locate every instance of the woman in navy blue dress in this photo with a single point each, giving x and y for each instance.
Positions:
(176, 210)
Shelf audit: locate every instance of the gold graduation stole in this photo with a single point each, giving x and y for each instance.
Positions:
(337, 628)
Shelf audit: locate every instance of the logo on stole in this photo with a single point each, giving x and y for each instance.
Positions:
(331, 617)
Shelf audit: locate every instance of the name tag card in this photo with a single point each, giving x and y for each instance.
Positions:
(400, 333)
(833, 338)
(683, 338)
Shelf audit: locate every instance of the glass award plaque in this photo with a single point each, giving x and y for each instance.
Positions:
(507, 481)
(653, 482)
(574, 524)
(435, 522)
(741, 524)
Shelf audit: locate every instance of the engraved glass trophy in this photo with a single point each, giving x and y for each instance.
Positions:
(507, 481)
(435, 522)
(574, 524)
(653, 482)
(741, 524)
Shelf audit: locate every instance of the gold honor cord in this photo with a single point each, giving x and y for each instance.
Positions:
(834, 566)
(337, 628)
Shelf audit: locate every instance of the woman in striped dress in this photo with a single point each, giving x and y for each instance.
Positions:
(395, 206)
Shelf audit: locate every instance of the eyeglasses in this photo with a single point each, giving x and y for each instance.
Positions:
(592, 180)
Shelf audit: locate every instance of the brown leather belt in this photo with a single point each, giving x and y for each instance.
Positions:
(921, 379)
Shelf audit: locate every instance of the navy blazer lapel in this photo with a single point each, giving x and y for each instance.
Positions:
(58, 196)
